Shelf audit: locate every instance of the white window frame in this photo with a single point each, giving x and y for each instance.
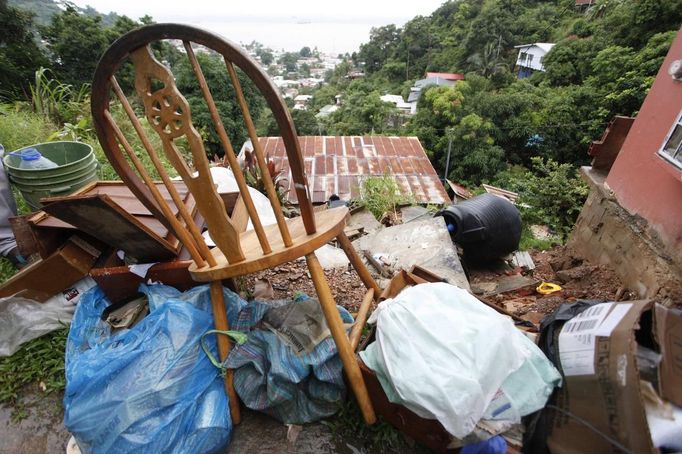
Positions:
(676, 158)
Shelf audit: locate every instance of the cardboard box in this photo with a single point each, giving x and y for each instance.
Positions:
(44, 278)
(601, 381)
(668, 324)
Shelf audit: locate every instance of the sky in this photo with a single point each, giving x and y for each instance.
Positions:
(334, 27)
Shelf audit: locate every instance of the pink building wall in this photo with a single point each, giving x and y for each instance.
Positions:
(643, 183)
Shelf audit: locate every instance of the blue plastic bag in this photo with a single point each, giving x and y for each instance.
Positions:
(494, 445)
(150, 388)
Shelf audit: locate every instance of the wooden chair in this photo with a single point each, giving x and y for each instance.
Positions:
(236, 254)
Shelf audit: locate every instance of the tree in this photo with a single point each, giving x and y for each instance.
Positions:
(305, 52)
(488, 62)
(569, 62)
(75, 42)
(289, 60)
(554, 193)
(224, 97)
(266, 58)
(475, 156)
(633, 23)
(305, 122)
(381, 45)
(19, 54)
(362, 112)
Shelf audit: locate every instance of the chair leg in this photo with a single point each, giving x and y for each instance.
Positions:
(331, 314)
(221, 323)
(360, 267)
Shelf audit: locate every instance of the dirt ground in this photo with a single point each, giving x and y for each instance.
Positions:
(578, 280)
(292, 277)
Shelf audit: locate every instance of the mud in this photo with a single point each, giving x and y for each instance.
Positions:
(40, 429)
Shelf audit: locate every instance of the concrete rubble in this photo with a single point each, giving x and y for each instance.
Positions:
(424, 242)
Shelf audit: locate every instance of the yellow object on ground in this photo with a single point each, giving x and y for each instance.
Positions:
(547, 287)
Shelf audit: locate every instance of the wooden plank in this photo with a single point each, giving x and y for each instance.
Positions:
(102, 218)
(361, 319)
(378, 266)
(42, 279)
(122, 196)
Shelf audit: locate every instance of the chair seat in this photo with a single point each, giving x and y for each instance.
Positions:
(329, 224)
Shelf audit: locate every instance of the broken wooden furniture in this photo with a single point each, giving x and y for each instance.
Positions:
(108, 211)
(168, 114)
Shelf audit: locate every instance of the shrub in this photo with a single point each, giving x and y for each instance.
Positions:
(554, 195)
(19, 129)
(381, 195)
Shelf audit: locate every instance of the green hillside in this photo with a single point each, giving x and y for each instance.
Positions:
(603, 63)
(44, 10)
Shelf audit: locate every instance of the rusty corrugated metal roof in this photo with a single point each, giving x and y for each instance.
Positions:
(338, 164)
(446, 76)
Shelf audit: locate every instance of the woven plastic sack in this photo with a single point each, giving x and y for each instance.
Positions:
(150, 388)
(270, 377)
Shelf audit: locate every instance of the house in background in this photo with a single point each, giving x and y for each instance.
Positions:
(327, 110)
(301, 102)
(531, 58)
(632, 219)
(339, 165)
(398, 102)
(430, 79)
(454, 77)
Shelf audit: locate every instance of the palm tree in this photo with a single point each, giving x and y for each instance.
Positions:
(488, 62)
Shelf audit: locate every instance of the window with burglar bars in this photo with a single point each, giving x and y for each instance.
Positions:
(671, 150)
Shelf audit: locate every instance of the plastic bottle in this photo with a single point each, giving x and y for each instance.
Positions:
(31, 159)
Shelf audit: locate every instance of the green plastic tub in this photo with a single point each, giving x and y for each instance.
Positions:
(76, 167)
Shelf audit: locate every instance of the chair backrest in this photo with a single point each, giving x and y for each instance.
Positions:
(168, 114)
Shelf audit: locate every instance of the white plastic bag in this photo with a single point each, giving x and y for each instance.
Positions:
(22, 320)
(445, 355)
(226, 182)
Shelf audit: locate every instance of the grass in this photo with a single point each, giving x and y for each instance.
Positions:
(379, 437)
(528, 241)
(20, 128)
(38, 361)
(380, 194)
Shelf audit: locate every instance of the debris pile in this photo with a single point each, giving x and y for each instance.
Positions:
(455, 310)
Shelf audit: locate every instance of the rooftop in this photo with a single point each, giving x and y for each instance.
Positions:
(339, 164)
(544, 46)
(446, 76)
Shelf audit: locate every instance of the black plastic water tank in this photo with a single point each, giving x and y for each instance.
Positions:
(487, 227)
